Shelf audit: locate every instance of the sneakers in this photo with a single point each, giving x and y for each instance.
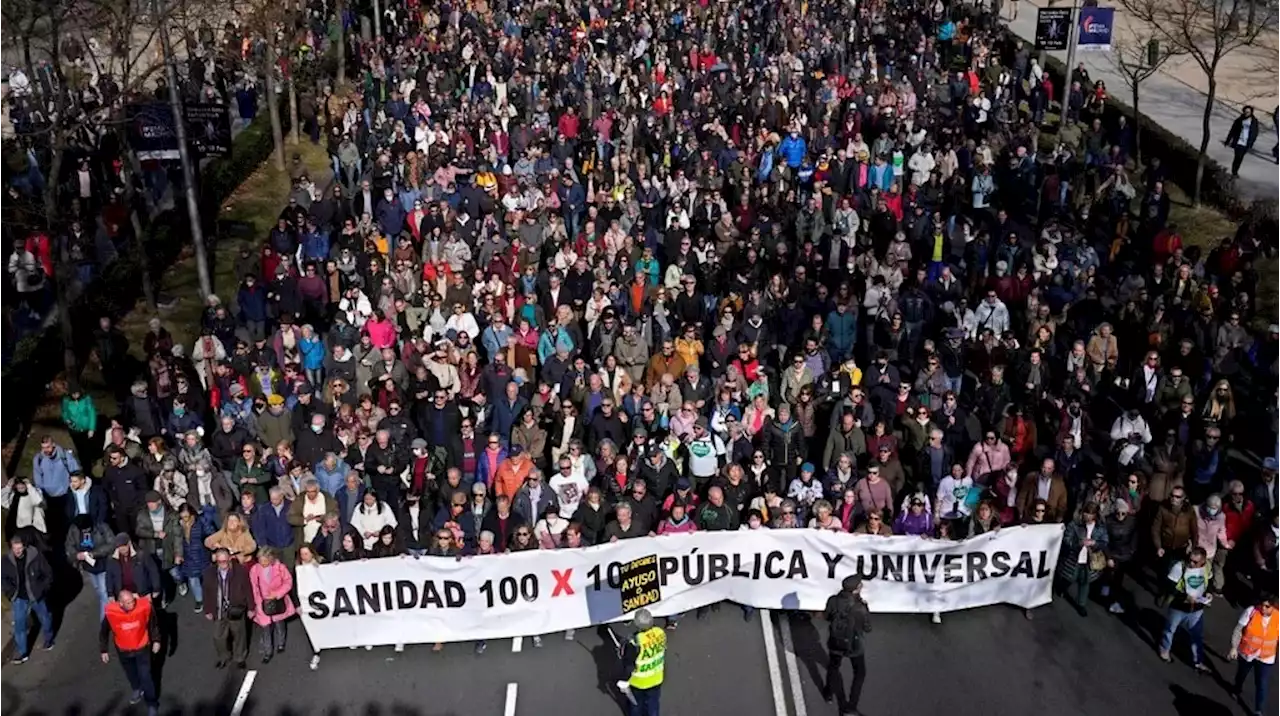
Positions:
(481, 646)
(199, 607)
(369, 648)
(936, 618)
(399, 648)
(1115, 608)
(1165, 656)
(182, 590)
(136, 698)
(568, 635)
(19, 660)
(48, 645)
(537, 642)
(315, 662)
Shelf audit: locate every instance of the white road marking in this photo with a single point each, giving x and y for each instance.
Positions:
(771, 657)
(517, 643)
(243, 697)
(793, 671)
(510, 708)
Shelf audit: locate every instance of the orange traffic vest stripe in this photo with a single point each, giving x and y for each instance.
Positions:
(130, 628)
(1258, 641)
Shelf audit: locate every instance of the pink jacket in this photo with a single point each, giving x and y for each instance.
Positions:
(986, 459)
(273, 582)
(382, 334)
(1212, 532)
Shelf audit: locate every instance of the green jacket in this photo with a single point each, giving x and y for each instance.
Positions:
(80, 416)
(150, 542)
(259, 480)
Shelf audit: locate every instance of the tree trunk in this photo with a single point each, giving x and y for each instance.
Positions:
(273, 108)
(62, 282)
(1253, 14)
(1137, 124)
(1205, 133)
(340, 7)
(293, 110)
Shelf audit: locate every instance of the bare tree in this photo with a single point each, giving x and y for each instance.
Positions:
(91, 55)
(1137, 54)
(1206, 31)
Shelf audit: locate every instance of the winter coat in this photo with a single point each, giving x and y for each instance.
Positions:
(1173, 530)
(1072, 541)
(146, 575)
(150, 543)
(27, 509)
(100, 545)
(1122, 538)
(196, 558)
(273, 582)
(38, 572)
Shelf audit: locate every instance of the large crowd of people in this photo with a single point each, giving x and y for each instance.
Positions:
(607, 271)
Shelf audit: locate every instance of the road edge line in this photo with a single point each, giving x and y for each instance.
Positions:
(793, 671)
(771, 658)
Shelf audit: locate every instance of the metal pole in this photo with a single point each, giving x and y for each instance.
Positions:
(377, 20)
(184, 153)
(1073, 36)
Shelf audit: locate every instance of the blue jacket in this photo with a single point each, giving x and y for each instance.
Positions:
(390, 217)
(312, 350)
(252, 303)
(504, 415)
(179, 424)
(547, 347)
(270, 529)
(331, 482)
(494, 340)
(345, 509)
(843, 329)
(482, 464)
(52, 473)
(793, 149)
(195, 556)
(880, 175)
(315, 245)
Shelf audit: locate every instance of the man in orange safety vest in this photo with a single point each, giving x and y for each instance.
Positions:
(1253, 648)
(132, 623)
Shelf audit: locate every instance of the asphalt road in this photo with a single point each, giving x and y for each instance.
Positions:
(981, 662)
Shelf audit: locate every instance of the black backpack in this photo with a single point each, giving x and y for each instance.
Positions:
(844, 637)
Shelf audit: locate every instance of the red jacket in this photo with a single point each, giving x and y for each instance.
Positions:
(1238, 521)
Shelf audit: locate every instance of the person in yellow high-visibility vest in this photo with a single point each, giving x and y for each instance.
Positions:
(643, 656)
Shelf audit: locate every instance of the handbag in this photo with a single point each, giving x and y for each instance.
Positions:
(1097, 562)
(270, 607)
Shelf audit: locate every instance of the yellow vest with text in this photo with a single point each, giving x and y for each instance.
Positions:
(653, 652)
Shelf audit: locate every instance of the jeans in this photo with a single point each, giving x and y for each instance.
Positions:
(137, 668)
(1194, 625)
(99, 583)
(646, 701)
(22, 609)
(273, 637)
(315, 376)
(1261, 674)
(197, 589)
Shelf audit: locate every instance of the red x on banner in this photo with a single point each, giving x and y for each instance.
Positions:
(562, 582)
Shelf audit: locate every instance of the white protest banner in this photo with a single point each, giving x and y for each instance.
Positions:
(439, 599)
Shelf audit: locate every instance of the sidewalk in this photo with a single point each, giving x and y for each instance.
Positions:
(1178, 106)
